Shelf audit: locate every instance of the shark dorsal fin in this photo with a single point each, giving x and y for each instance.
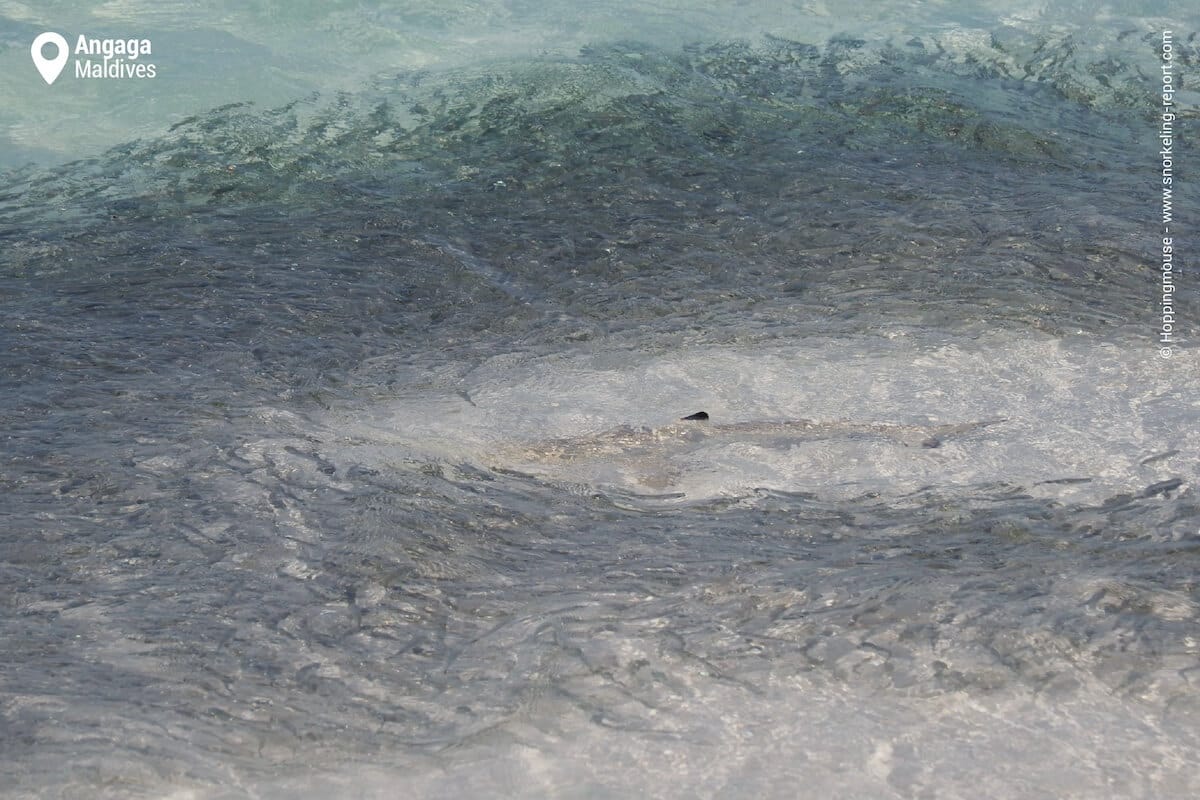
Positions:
(699, 415)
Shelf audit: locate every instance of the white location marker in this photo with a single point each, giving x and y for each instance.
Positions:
(49, 67)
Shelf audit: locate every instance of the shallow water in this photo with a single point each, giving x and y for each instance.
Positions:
(279, 518)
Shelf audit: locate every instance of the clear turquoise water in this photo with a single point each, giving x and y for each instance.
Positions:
(297, 332)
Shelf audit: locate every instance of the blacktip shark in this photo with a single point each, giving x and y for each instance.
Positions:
(655, 448)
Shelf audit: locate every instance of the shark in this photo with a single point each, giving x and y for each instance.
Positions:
(656, 451)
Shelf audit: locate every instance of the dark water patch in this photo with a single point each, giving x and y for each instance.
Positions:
(719, 193)
(556, 198)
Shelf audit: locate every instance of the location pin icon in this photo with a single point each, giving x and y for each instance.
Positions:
(49, 67)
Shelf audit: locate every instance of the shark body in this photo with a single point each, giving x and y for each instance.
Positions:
(656, 448)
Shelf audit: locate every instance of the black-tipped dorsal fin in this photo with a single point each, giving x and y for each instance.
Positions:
(699, 415)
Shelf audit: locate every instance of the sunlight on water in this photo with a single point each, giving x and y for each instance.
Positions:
(344, 451)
